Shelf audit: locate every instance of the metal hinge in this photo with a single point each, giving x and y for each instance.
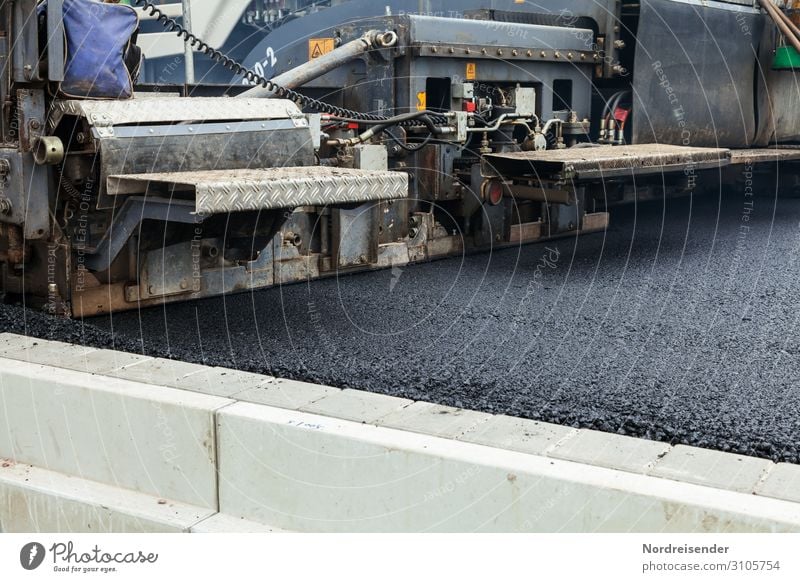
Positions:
(103, 124)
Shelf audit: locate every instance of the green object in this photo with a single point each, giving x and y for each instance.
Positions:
(786, 57)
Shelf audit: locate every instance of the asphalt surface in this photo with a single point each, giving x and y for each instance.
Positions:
(680, 324)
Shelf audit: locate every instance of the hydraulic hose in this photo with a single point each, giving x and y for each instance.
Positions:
(320, 66)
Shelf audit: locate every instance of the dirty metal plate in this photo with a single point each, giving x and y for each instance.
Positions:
(223, 191)
(609, 161)
(442, 31)
(749, 157)
(173, 110)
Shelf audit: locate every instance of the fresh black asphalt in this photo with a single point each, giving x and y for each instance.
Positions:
(680, 324)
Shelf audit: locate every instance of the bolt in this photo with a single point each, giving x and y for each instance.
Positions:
(184, 284)
(620, 44)
(6, 207)
(515, 53)
(35, 124)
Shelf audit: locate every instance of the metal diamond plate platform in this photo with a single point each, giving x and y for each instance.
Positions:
(223, 191)
(173, 109)
(609, 161)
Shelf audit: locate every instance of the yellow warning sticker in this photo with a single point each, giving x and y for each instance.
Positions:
(472, 71)
(320, 46)
(422, 101)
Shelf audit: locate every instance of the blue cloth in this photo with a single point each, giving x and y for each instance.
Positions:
(99, 37)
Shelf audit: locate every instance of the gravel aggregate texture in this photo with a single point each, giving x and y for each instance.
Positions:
(679, 325)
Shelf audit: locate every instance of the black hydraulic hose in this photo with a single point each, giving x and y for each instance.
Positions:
(422, 117)
(410, 148)
(393, 120)
(239, 69)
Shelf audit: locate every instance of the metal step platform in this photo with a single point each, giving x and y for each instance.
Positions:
(598, 163)
(223, 191)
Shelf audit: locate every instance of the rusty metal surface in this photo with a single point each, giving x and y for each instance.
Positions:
(609, 160)
(222, 191)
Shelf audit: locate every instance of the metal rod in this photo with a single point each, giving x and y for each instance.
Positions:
(789, 23)
(776, 14)
(188, 50)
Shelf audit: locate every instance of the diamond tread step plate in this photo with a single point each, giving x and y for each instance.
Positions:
(149, 110)
(223, 191)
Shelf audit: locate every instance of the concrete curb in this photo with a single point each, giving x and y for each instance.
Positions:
(472, 471)
(38, 500)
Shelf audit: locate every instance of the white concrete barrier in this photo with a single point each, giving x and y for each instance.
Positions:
(153, 440)
(96, 440)
(310, 473)
(37, 500)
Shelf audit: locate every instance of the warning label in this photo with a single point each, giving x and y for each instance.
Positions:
(472, 71)
(422, 101)
(320, 46)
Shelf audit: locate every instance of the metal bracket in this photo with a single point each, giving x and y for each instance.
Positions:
(103, 124)
(127, 220)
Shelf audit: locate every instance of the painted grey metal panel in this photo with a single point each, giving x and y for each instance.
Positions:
(287, 46)
(695, 72)
(435, 30)
(220, 192)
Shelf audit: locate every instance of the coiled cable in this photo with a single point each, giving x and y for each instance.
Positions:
(255, 79)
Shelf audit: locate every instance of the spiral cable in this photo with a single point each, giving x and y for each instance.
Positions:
(170, 25)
